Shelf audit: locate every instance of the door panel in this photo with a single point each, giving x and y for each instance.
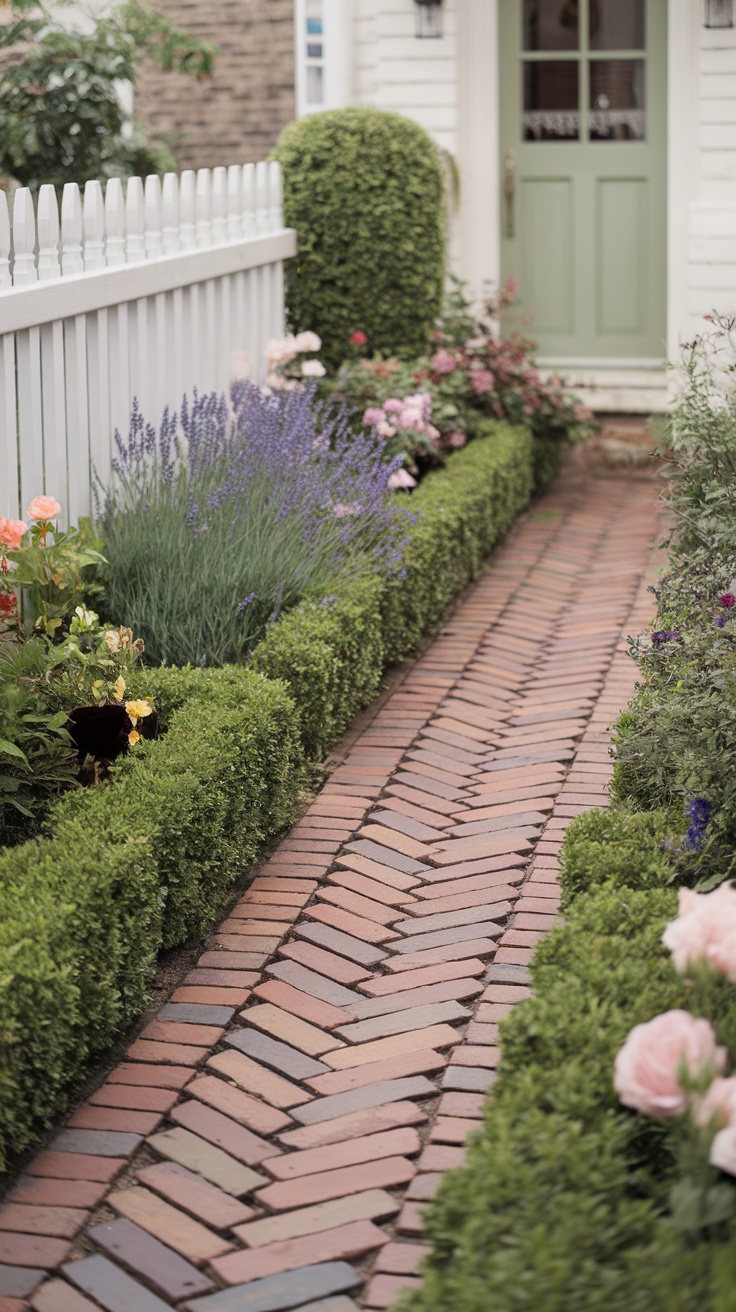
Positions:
(546, 242)
(621, 208)
(583, 137)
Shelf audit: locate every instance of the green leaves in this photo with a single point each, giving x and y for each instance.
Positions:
(61, 116)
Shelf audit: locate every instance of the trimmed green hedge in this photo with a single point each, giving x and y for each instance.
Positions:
(147, 863)
(365, 191)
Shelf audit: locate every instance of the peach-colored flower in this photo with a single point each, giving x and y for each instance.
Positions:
(11, 533)
(723, 1150)
(648, 1068)
(704, 931)
(44, 508)
(717, 1105)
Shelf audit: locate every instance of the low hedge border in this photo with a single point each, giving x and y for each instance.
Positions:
(124, 872)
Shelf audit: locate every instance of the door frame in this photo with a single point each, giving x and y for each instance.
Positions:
(479, 153)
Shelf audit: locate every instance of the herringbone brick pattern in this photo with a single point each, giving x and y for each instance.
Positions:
(270, 1139)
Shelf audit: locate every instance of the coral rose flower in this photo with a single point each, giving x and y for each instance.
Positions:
(11, 533)
(44, 508)
(648, 1068)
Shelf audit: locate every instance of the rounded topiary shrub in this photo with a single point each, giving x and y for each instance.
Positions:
(365, 191)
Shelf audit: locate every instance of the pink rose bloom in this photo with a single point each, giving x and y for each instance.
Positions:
(482, 381)
(443, 362)
(457, 440)
(313, 369)
(723, 1150)
(704, 931)
(358, 338)
(392, 406)
(401, 478)
(342, 510)
(432, 432)
(307, 342)
(385, 429)
(281, 350)
(44, 508)
(647, 1068)
(11, 532)
(373, 415)
(718, 1105)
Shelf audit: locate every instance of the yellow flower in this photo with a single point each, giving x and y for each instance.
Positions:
(133, 737)
(138, 710)
(119, 688)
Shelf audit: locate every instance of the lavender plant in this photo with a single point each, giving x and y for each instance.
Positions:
(233, 511)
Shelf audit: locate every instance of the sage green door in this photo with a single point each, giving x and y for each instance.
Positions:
(583, 154)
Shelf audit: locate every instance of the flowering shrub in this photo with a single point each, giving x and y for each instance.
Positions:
(44, 574)
(470, 372)
(231, 513)
(291, 360)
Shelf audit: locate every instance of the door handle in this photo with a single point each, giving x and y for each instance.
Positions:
(509, 188)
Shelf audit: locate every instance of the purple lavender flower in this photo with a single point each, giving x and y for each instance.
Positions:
(664, 635)
(699, 812)
(246, 602)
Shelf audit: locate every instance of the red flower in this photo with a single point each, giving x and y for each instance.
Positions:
(358, 338)
(728, 600)
(7, 603)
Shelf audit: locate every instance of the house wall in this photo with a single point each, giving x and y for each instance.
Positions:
(237, 116)
(711, 249)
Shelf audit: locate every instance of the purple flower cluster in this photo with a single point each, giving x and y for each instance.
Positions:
(664, 635)
(699, 813)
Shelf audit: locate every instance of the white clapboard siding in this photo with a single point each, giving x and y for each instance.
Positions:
(141, 290)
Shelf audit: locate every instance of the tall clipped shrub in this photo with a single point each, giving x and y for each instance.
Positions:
(365, 191)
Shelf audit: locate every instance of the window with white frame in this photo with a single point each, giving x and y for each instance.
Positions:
(323, 54)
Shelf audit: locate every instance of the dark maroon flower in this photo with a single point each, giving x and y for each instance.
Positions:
(728, 600)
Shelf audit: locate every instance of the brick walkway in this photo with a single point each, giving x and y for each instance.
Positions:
(271, 1137)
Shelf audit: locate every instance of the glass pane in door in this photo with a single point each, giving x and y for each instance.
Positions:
(551, 101)
(551, 24)
(617, 111)
(616, 24)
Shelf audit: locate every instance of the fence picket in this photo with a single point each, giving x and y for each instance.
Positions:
(170, 214)
(71, 230)
(135, 222)
(5, 278)
(48, 235)
(115, 223)
(152, 213)
(94, 226)
(24, 239)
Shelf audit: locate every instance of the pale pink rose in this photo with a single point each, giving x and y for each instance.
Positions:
(373, 415)
(432, 432)
(411, 417)
(385, 429)
(313, 369)
(44, 508)
(11, 532)
(401, 478)
(482, 381)
(723, 1150)
(307, 342)
(281, 350)
(442, 362)
(718, 1105)
(392, 406)
(704, 931)
(457, 440)
(342, 510)
(647, 1068)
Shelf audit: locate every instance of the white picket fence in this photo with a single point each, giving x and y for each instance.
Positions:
(146, 291)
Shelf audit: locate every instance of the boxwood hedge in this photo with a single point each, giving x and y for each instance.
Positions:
(365, 191)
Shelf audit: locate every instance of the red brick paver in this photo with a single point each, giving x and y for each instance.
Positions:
(292, 1107)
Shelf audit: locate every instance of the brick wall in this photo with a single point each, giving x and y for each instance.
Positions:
(237, 116)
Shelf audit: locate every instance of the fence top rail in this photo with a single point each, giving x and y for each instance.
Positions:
(140, 222)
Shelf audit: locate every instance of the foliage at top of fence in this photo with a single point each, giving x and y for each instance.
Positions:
(130, 224)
